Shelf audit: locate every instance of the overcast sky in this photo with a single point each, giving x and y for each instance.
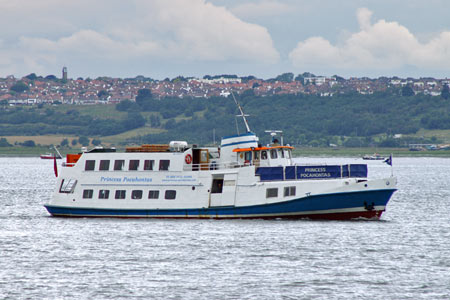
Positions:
(264, 38)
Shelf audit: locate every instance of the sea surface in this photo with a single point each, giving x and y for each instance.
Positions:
(405, 255)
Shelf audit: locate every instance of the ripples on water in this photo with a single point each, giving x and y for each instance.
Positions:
(406, 255)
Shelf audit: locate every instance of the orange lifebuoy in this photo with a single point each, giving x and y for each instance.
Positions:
(188, 159)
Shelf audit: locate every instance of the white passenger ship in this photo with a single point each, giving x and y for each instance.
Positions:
(239, 179)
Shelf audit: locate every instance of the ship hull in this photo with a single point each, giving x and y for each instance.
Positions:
(335, 206)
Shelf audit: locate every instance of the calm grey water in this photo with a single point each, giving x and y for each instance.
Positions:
(406, 255)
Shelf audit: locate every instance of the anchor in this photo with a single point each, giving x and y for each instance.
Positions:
(369, 207)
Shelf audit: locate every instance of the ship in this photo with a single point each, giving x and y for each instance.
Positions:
(53, 155)
(240, 179)
(375, 156)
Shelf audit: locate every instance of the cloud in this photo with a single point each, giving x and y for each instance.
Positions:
(138, 30)
(382, 46)
(263, 8)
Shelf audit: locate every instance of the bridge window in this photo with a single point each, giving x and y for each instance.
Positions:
(103, 194)
(119, 164)
(170, 194)
(133, 165)
(273, 154)
(288, 153)
(256, 155)
(153, 194)
(148, 165)
(120, 194)
(272, 193)
(164, 164)
(264, 154)
(248, 156)
(104, 165)
(136, 194)
(87, 194)
(289, 191)
(281, 153)
(90, 165)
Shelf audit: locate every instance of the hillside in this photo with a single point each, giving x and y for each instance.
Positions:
(344, 120)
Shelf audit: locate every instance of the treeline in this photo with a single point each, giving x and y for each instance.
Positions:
(351, 119)
(35, 121)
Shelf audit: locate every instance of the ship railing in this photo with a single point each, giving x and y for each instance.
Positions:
(212, 166)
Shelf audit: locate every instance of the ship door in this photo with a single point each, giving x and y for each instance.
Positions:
(223, 190)
(204, 159)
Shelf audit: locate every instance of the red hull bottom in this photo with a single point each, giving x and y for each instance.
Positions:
(347, 216)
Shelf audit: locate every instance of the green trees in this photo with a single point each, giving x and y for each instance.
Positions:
(29, 143)
(126, 105)
(64, 143)
(96, 142)
(143, 97)
(84, 141)
(445, 93)
(407, 91)
(286, 77)
(102, 95)
(4, 143)
(19, 87)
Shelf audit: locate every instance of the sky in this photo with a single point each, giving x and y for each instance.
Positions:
(263, 38)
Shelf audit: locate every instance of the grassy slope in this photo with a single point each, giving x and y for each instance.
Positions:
(109, 112)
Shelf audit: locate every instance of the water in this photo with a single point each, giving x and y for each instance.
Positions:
(406, 255)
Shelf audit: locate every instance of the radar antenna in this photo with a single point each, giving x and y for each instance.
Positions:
(242, 113)
(273, 133)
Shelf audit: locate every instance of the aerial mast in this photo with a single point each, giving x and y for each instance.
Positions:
(242, 113)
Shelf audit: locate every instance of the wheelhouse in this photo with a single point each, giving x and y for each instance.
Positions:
(265, 156)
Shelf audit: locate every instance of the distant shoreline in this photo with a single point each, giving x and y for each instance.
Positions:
(298, 152)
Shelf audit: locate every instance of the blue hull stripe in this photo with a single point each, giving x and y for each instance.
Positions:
(238, 135)
(316, 203)
(238, 143)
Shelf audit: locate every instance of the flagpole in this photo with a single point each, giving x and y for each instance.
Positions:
(392, 169)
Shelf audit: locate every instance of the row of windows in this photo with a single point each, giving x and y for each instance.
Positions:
(273, 192)
(133, 165)
(135, 194)
(274, 154)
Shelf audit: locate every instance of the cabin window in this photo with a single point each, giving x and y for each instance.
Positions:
(153, 194)
(134, 165)
(87, 194)
(104, 165)
(289, 191)
(217, 186)
(264, 154)
(90, 165)
(103, 194)
(67, 186)
(136, 194)
(164, 164)
(170, 194)
(148, 165)
(256, 155)
(273, 154)
(119, 164)
(120, 194)
(281, 153)
(272, 193)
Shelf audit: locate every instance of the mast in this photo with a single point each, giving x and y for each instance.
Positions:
(242, 113)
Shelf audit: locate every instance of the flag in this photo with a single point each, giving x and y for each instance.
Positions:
(389, 160)
(55, 166)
